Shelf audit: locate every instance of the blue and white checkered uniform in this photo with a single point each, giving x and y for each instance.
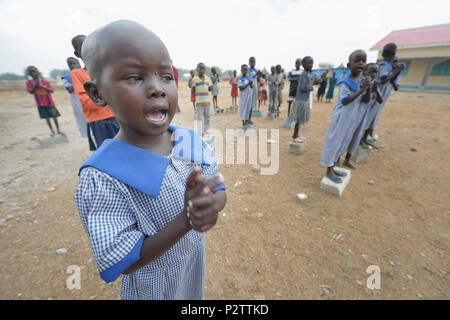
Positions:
(118, 212)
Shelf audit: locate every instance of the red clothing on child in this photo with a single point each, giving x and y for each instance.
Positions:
(234, 88)
(43, 97)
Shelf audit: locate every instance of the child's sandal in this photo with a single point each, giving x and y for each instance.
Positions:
(335, 179)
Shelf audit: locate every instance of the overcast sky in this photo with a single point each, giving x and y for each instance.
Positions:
(223, 33)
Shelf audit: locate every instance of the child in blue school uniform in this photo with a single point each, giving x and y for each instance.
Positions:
(146, 197)
(370, 72)
(253, 72)
(245, 85)
(387, 77)
(352, 96)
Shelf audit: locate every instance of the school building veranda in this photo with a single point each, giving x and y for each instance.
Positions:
(425, 51)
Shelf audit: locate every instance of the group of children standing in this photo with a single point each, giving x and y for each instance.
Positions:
(97, 123)
(362, 96)
(144, 201)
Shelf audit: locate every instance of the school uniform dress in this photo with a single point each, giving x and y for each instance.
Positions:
(301, 109)
(126, 194)
(252, 72)
(80, 119)
(360, 119)
(101, 123)
(215, 83)
(44, 101)
(374, 113)
(293, 77)
(246, 97)
(274, 81)
(282, 78)
(342, 124)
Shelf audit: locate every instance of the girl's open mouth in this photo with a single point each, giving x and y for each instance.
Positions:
(156, 116)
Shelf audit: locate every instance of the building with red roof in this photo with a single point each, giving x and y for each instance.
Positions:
(425, 51)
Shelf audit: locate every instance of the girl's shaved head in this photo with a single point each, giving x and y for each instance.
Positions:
(117, 39)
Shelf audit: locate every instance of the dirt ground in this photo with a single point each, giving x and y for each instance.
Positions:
(267, 244)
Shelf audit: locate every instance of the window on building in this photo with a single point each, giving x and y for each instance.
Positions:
(441, 69)
(405, 70)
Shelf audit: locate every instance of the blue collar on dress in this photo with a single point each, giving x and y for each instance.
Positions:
(352, 84)
(249, 77)
(67, 77)
(389, 66)
(142, 169)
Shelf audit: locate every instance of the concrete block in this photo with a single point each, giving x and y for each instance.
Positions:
(48, 141)
(361, 155)
(288, 125)
(336, 188)
(257, 113)
(297, 147)
(218, 110)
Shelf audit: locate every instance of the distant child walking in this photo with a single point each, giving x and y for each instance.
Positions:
(281, 77)
(322, 86)
(343, 121)
(215, 91)
(80, 119)
(263, 88)
(202, 85)
(146, 197)
(245, 84)
(234, 89)
(293, 77)
(332, 83)
(262, 91)
(258, 78)
(273, 81)
(300, 111)
(42, 91)
(253, 72)
(192, 88)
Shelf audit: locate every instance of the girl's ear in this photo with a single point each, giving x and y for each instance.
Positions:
(92, 91)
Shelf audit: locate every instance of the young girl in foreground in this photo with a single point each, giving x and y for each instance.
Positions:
(342, 123)
(146, 197)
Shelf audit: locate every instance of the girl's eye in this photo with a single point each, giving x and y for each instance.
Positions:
(167, 77)
(134, 78)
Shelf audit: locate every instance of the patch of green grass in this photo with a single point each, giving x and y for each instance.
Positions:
(32, 157)
(349, 266)
(331, 229)
(344, 253)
